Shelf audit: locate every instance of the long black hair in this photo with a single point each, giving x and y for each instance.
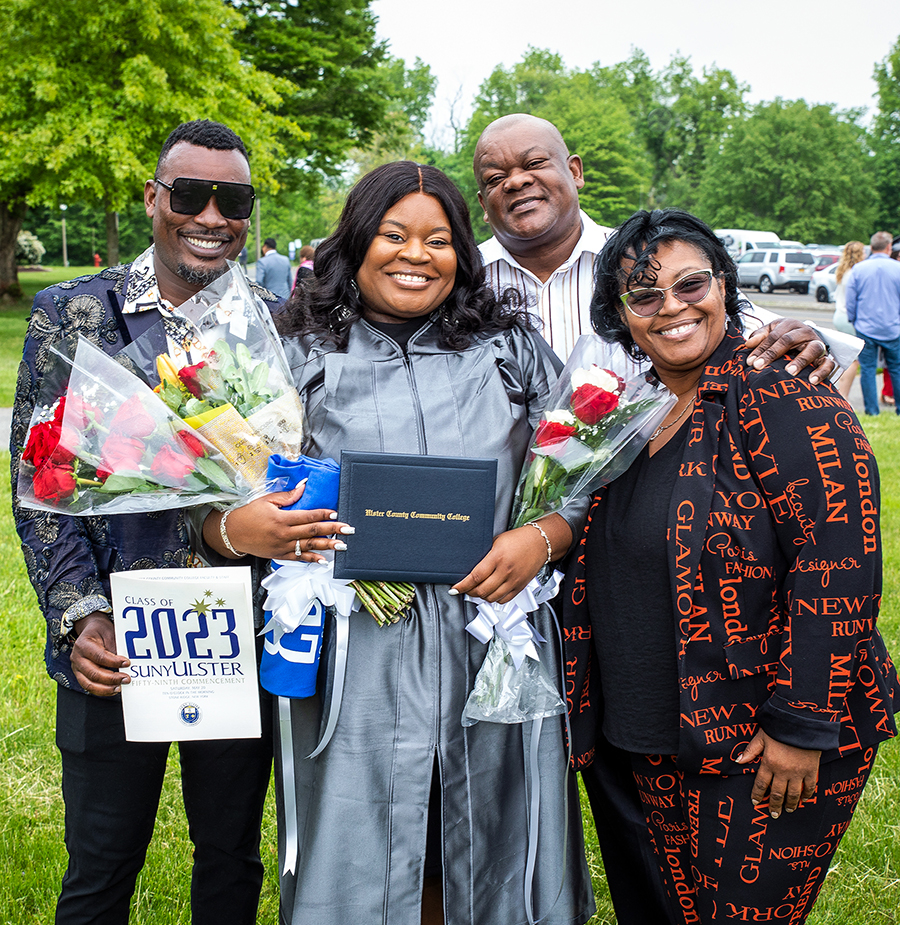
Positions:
(634, 245)
(328, 303)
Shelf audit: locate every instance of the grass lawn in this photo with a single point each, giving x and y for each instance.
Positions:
(863, 887)
(14, 320)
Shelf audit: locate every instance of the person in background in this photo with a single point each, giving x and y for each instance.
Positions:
(398, 345)
(546, 246)
(854, 252)
(111, 787)
(873, 308)
(306, 263)
(273, 270)
(719, 583)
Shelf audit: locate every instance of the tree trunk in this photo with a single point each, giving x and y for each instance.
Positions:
(112, 239)
(12, 214)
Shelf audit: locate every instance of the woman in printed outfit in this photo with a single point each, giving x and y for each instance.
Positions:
(730, 582)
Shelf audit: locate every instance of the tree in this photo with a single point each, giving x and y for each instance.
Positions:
(678, 117)
(340, 89)
(886, 139)
(804, 171)
(92, 90)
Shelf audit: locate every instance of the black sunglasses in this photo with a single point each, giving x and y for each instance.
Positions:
(188, 196)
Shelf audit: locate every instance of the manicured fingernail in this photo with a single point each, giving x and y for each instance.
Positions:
(348, 530)
(340, 546)
(453, 592)
(775, 815)
(332, 515)
(754, 802)
(793, 370)
(788, 810)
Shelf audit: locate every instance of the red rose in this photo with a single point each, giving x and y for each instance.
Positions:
(132, 419)
(120, 453)
(80, 413)
(191, 443)
(170, 465)
(53, 483)
(591, 403)
(42, 441)
(190, 376)
(551, 431)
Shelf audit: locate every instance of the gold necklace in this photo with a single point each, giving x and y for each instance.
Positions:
(663, 427)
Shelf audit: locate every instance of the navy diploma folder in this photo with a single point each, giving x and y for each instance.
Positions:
(417, 518)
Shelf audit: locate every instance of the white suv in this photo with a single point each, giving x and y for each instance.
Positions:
(776, 269)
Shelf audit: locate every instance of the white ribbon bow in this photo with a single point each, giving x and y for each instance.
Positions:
(293, 590)
(510, 621)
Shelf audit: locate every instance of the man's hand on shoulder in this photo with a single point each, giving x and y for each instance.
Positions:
(96, 665)
(787, 335)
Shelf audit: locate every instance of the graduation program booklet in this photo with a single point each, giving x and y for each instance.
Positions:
(189, 636)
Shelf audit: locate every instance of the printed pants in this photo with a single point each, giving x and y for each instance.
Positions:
(724, 859)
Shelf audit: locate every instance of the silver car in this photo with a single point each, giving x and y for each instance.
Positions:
(824, 283)
(776, 269)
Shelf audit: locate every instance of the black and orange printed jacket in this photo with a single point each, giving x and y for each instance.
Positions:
(775, 569)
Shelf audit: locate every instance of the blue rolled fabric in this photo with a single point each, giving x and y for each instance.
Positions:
(324, 477)
(290, 662)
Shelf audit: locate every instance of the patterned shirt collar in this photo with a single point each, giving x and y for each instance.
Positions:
(142, 292)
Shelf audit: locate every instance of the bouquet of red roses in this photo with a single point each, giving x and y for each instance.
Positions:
(109, 445)
(225, 374)
(600, 414)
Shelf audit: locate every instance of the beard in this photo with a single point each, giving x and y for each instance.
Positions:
(194, 276)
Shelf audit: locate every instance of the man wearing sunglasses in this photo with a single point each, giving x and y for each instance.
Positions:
(200, 200)
(545, 246)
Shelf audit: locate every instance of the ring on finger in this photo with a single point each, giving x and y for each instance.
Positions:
(297, 550)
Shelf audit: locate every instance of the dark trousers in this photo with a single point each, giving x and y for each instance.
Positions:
(632, 869)
(111, 790)
(728, 860)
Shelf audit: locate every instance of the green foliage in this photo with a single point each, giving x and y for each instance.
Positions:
(886, 138)
(29, 249)
(337, 89)
(803, 170)
(93, 89)
(86, 231)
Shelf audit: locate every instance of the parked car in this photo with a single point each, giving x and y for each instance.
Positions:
(825, 260)
(776, 269)
(824, 283)
(738, 241)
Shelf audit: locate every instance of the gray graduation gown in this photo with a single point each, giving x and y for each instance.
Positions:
(362, 805)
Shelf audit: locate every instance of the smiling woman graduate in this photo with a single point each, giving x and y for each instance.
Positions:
(398, 346)
(738, 656)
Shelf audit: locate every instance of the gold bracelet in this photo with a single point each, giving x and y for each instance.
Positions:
(537, 526)
(227, 541)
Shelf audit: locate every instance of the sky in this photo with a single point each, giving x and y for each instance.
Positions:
(823, 52)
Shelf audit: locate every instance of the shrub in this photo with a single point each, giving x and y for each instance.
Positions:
(29, 249)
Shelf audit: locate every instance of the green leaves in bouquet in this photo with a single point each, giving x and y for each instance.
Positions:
(245, 382)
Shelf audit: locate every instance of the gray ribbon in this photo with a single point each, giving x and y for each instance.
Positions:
(341, 637)
(291, 842)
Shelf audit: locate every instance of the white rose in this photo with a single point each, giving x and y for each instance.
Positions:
(561, 417)
(594, 375)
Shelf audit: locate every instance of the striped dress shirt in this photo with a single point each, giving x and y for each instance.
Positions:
(563, 302)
